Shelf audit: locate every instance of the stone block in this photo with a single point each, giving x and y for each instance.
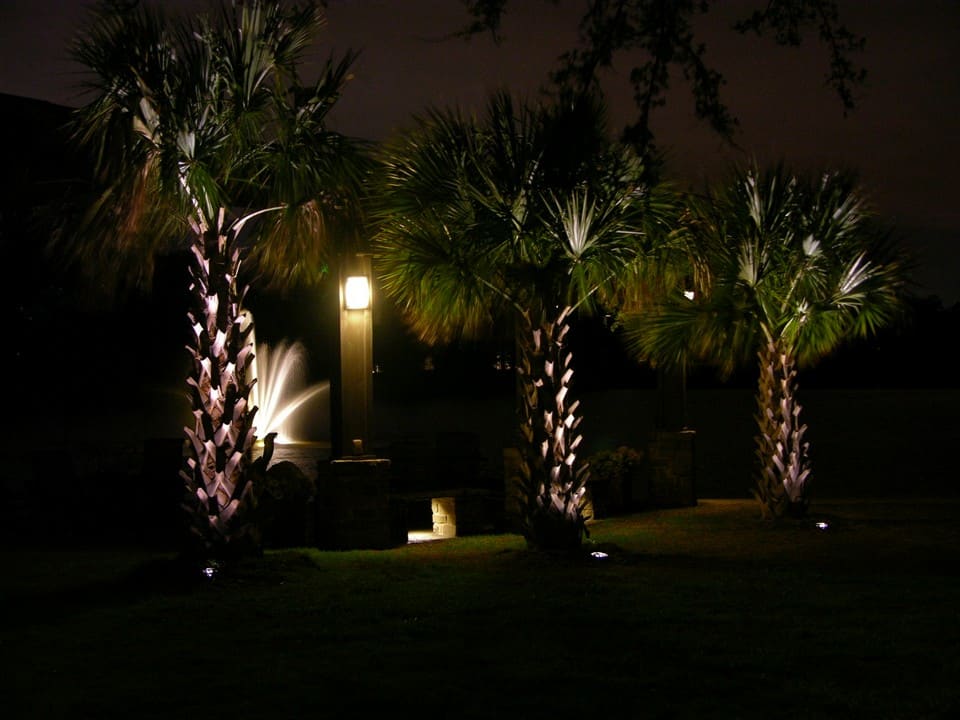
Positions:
(354, 508)
(444, 516)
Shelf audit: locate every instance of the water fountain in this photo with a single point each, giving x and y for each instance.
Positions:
(286, 406)
(299, 413)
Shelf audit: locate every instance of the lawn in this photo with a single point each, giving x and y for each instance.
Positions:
(695, 612)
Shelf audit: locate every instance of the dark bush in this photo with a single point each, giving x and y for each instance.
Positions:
(285, 498)
(613, 473)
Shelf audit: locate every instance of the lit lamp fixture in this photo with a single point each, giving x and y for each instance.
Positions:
(353, 396)
(356, 292)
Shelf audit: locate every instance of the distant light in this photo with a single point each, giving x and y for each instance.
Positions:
(599, 554)
(356, 292)
(821, 525)
(210, 572)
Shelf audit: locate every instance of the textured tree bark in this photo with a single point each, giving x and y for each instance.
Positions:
(553, 479)
(219, 494)
(784, 471)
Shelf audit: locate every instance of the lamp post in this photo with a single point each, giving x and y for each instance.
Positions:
(671, 451)
(356, 357)
(353, 500)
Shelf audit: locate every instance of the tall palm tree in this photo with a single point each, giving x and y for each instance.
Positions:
(529, 214)
(783, 269)
(201, 129)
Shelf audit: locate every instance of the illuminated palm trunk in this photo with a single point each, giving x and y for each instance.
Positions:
(553, 481)
(784, 466)
(219, 495)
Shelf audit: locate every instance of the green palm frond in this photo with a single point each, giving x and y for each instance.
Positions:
(427, 166)
(863, 294)
(663, 335)
(511, 216)
(206, 113)
(799, 257)
(679, 331)
(128, 216)
(596, 242)
(265, 45)
(445, 287)
(316, 176)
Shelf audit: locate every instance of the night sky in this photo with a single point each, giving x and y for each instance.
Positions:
(902, 137)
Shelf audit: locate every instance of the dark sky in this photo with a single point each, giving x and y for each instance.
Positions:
(903, 137)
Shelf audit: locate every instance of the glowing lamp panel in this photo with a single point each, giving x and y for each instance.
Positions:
(356, 293)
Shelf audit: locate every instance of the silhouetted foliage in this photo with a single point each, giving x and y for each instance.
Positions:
(664, 32)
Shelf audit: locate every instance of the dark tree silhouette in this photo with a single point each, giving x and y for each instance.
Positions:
(664, 32)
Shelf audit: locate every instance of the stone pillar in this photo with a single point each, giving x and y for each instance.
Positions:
(354, 508)
(444, 516)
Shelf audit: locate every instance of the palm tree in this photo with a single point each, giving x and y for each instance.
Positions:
(528, 213)
(782, 269)
(202, 129)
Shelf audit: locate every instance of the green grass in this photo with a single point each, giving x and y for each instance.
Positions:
(697, 612)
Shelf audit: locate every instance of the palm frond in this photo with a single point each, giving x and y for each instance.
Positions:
(208, 112)
(530, 227)
(441, 284)
(794, 255)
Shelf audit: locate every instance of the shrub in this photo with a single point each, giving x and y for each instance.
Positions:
(284, 505)
(612, 476)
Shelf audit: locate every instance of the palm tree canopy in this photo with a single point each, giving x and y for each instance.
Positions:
(523, 204)
(776, 256)
(197, 114)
